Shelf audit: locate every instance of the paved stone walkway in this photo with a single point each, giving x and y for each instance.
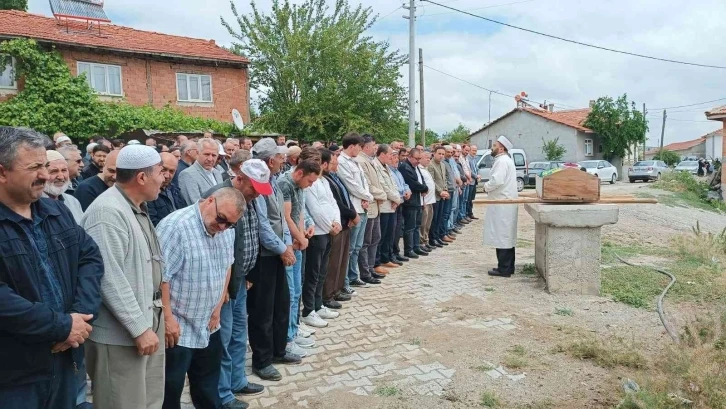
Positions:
(365, 347)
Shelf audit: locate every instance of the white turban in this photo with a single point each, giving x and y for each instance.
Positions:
(505, 142)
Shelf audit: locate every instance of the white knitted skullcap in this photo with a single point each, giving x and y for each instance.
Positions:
(137, 157)
(53, 155)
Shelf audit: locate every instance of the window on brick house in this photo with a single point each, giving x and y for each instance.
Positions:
(588, 147)
(103, 78)
(7, 72)
(193, 88)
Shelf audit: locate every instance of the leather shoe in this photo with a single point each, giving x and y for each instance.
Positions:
(421, 252)
(343, 297)
(287, 359)
(447, 239)
(473, 217)
(378, 276)
(436, 245)
(235, 404)
(443, 243)
(497, 273)
(411, 255)
(380, 270)
(333, 305)
(250, 389)
(398, 263)
(464, 221)
(371, 280)
(457, 230)
(404, 258)
(390, 264)
(268, 373)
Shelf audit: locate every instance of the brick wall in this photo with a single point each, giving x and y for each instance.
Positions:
(146, 81)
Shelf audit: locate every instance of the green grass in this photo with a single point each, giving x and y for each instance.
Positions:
(605, 355)
(415, 341)
(516, 359)
(387, 391)
(688, 190)
(489, 400)
(489, 289)
(529, 269)
(565, 312)
(483, 368)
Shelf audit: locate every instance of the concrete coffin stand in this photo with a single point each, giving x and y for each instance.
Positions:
(567, 244)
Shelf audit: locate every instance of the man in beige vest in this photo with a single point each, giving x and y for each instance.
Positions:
(383, 159)
(124, 357)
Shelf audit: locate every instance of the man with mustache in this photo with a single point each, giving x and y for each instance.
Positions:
(170, 197)
(98, 158)
(75, 165)
(92, 187)
(58, 182)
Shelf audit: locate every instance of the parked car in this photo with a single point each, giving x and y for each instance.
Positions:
(535, 168)
(690, 166)
(602, 169)
(646, 170)
(485, 161)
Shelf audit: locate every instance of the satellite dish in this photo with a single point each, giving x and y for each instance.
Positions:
(237, 119)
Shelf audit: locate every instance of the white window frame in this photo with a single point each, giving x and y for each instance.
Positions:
(189, 94)
(591, 144)
(90, 78)
(14, 86)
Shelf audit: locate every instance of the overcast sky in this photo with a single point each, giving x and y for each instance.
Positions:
(511, 61)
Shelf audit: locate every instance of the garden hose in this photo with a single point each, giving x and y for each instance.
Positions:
(659, 305)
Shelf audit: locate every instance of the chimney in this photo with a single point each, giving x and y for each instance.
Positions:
(592, 103)
(212, 42)
(552, 107)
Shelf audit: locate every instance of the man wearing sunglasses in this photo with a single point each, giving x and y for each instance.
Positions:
(197, 243)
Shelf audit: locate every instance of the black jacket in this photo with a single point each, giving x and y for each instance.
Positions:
(347, 211)
(169, 200)
(28, 327)
(410, 176)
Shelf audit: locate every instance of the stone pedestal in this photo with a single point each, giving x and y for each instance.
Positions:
(567, 245)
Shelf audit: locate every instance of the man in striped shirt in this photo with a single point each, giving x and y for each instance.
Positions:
(198, 248)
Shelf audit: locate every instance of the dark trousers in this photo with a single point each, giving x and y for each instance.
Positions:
(338, 265)
(367, 256)
(445, 216)
(58, 392)
(268, 306)
(434, 231)
(470, 203)
(412, 221)
(202, 366)
(396, 250)
(316, 269)
(505, 258)
(385, 248)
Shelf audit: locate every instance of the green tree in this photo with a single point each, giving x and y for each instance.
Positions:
(21, 5)
(669, 157)
(317, 74)
(460, 134)
(553, 150)
(619, 124)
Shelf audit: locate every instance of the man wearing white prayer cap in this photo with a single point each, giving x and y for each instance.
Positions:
(125, 353)
(500, 225)
(57, 184)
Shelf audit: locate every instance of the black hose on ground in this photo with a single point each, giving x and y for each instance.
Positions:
(659, 305)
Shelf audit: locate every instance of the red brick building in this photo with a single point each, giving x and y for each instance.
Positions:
(141, 67)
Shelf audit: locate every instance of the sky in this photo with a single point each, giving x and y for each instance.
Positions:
(511, 61)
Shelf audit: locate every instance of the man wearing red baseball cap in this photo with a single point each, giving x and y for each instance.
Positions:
(252, 178)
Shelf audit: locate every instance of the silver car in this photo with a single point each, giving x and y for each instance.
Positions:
(690, 166)
(646, 170)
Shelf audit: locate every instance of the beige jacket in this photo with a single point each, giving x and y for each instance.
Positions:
(388, 185)
(374, 183)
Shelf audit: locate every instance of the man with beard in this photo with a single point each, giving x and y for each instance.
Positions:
(58, 182)
(170, 197)
(98, 158)
(92, 187)
(75, 165)
(202, 175)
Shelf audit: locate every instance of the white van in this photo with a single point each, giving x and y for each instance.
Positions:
(485, 160)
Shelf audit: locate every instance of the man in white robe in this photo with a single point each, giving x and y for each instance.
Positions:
(500, 225)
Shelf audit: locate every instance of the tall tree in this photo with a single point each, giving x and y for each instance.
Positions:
(457, 135)
(21, 5)
(619, 124)
(317, 75)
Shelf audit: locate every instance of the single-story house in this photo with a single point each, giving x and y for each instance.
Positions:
(139, 67)
(695, 147)
(527, 127)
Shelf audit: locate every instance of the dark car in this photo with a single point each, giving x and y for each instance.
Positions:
(535, 168)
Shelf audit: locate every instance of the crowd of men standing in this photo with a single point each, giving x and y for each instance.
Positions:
(144, 265)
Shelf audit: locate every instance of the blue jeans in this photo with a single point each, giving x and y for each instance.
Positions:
(445, 216)
(233, 332)
(357, 234)
(294, 282)
(463, 199)
(453, 210)
(59, 391)
(81, 382)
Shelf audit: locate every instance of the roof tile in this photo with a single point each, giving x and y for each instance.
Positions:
(111, 37)
(571, 117)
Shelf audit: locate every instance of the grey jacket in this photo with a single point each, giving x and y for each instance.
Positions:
(193, 182)
(127, 287)
(438, 173)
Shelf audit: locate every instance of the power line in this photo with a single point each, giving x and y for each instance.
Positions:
(470, 83)
(692, 105)
(578, 42)
(482, 8)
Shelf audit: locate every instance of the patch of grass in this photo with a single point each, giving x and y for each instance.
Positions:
(489, 289)
(689, 189)
(606, 356)
(415, 341)
(451, 396)
(387, 391)
(518, 350)
(483, 368)
(516, 359)
(489, 400)
(529, 269)
(565, 312)
(694, 370)
(544, 404)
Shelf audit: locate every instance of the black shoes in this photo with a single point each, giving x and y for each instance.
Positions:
(250, 389)
(269, 373)
(333, 305)
(370, 280)
(497, 273)
(287, 359)
(343, 297)
(436, 244)
(376, 276)
(473, 218)
(442, 243)
(411, 255)
(421, 252)
(358, 283)
(399, 258)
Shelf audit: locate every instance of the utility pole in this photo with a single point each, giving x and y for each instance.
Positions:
(662, 130)
(490, 107)
(645, 137)
(411, 72)
(421, 99)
